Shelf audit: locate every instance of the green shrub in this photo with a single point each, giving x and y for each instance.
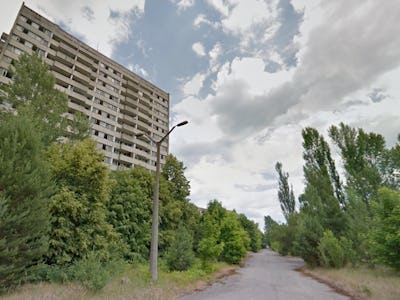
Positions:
(275, 246)
(180, 255)
(331, 252)
(89, 271)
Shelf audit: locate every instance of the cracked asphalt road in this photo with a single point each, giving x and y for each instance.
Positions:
(267, 275)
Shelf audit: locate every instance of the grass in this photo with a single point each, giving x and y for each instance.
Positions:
(134, 283)
(362, 282)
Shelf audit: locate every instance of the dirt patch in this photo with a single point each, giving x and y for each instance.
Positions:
(337, 287)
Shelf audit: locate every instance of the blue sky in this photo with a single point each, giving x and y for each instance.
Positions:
(249, 75)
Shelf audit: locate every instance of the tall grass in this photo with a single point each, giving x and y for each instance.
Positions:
(366, 283)
(131, 283)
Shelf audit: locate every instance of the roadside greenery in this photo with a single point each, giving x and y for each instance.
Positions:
(355, 219)
(64, 216)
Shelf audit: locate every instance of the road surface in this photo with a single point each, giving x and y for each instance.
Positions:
(267, 275)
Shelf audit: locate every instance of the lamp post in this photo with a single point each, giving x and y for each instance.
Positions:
(154, 224)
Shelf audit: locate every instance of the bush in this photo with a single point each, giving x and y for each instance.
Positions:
(180, 255)
(90, 271)
(331, 252)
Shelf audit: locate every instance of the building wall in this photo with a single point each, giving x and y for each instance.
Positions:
(118, 102)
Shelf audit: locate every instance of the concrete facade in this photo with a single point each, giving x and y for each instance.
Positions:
(118, 102)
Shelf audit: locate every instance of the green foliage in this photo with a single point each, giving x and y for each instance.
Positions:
(308, 235)
(90, 271)
(180, 255)
(78, 210)
(385, 234)
(129, 209)
(331, 252)
(25, 187)
(210, 247)
(235, 239)
(285, 194)
(32, 94)
(253, 232)
(174, 204)
(173, 171)
(363, 155)
(268, 224)
(337, 225)
(284, 235)
(222, 235)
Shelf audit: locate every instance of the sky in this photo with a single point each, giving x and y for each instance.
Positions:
(248, 75)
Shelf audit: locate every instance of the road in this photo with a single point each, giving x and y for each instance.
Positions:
(267, 275)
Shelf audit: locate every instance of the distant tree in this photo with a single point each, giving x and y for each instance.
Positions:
(285, 194)
(268, 224)
(253, 232)
(180, 255)
(25, 188)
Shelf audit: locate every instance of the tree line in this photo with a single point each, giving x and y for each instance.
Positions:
(62, 210)
(339, 220)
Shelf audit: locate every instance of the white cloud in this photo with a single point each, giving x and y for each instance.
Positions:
(222, 6)
(254, 118)
(253, 21)
(135, 68)
(193, 86)
(214, 54)
(202, 19)
(185, 4)
(198, 48)
(102, 24)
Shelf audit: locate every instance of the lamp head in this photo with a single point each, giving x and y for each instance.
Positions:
(182, 123)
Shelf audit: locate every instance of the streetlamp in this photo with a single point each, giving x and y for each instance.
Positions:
(154, 225)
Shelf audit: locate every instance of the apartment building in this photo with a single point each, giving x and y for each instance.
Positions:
(118, 102)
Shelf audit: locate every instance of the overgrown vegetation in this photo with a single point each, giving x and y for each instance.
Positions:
(64, 217)
(340, 221)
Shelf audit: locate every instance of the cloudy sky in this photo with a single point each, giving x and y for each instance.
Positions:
(248, 75)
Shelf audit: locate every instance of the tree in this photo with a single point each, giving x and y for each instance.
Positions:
(174, 172)
(175, 207)
(25, 187)
(253, 232)
(323, 196)
(210, 245)
(362, 154)
(385, 234)
(285, 194)
(322, 203)
(234, 238)
(268, 225)
(78, 211)
(129, 209)
(180, 255)
(32, 93)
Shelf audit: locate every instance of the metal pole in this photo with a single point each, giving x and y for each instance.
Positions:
(154, 225)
